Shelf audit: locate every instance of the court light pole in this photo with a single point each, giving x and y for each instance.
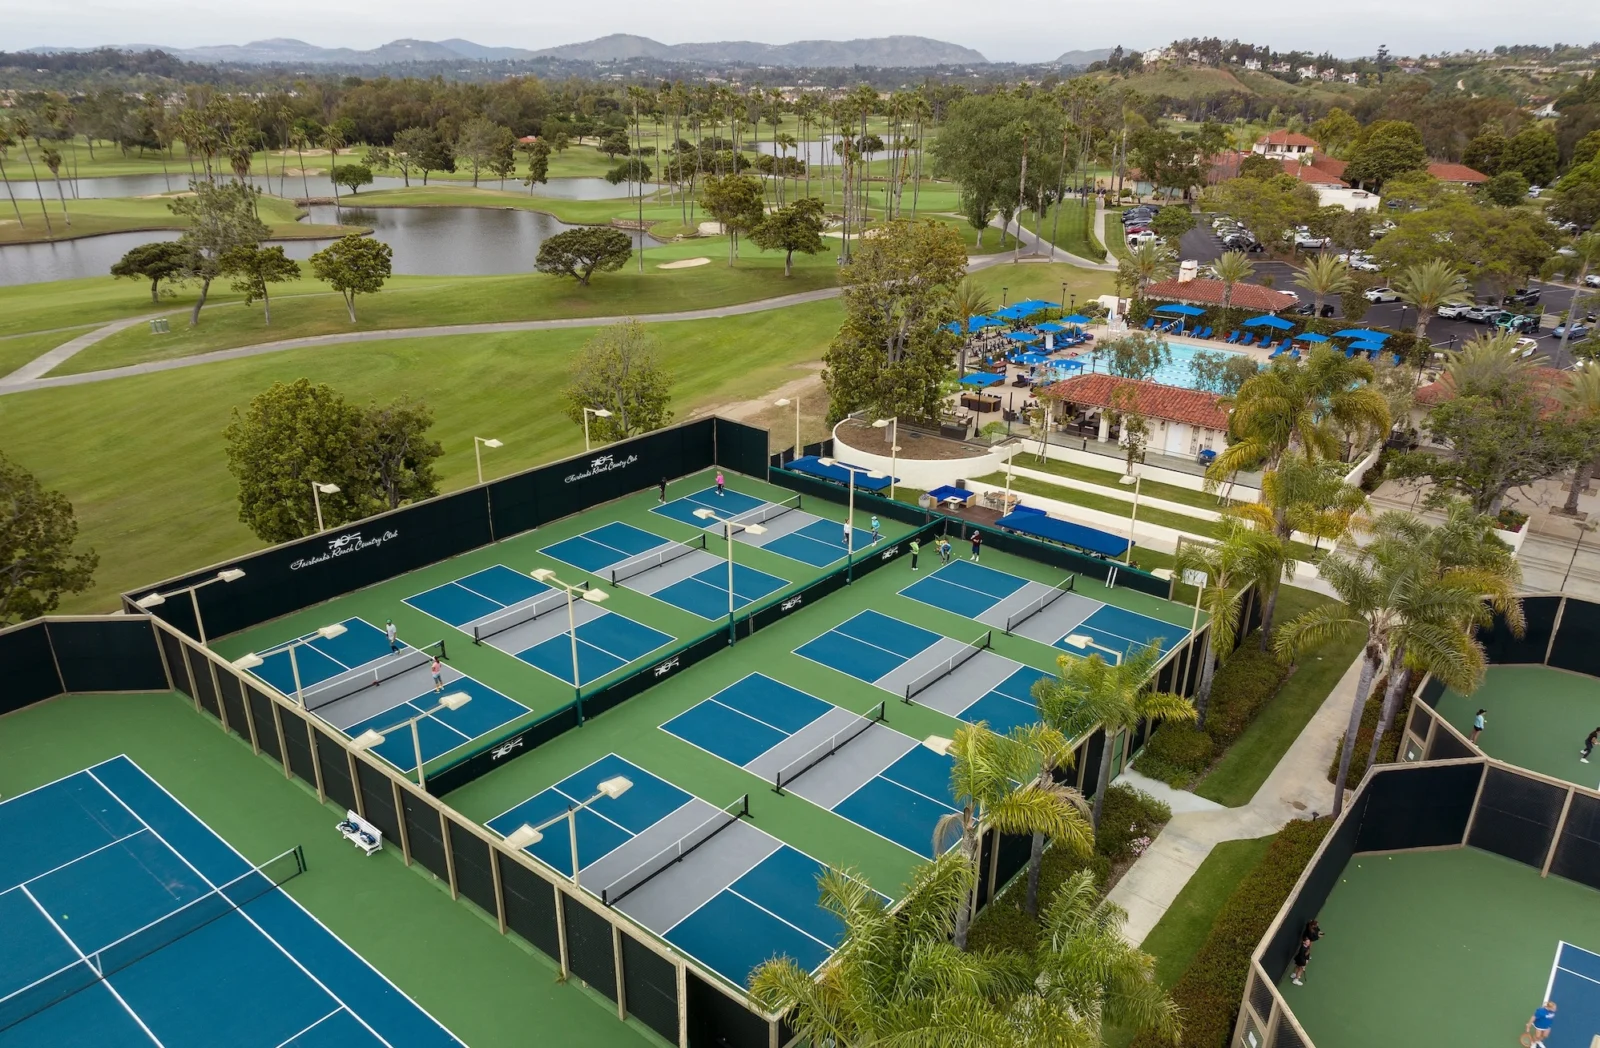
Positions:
(728, 524)
(526, 836)
(582, 592)
(1136, 478)
(252, 660)
(784, 402)
(153, 600)
(317, 491)
(597, 413)
(478, 444)
(850, 513)
(371, 738)
(893, 425)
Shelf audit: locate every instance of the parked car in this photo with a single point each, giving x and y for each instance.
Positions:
(1482, 313)
(1508, 321)
(1592, 280)
(1307, 242)
(1522, 297)
(1143, 236)
(1454, 310)
(1573, 332)
(1360, 261)
(1534, 191)
(1526, 347)
(1381, 294)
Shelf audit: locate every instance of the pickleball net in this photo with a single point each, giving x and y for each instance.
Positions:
(350, 682)
(833, 744)
(674, 853)
(655, 559)
(1038, 604)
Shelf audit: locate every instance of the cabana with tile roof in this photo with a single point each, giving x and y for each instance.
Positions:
(1182, 421)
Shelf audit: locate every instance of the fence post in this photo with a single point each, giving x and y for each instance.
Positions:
(561, 932)
(405, 834)
(1555, 628)
(682, 972)
(616, 964)
(1555, 838)
(449, 851)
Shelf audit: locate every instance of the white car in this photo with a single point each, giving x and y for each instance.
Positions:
(1592, 280)
(1381, 294)
(1481, 313)
(1526, 347)
(1454, 310)
(1308, 242)
(1145, 237)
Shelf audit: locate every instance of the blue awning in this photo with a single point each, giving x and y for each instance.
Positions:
(982, 379)
(1177, 310)
(838, 472)
(1366, 334)
(946, 491)
(1268, 320)
(1050, 326)
(1041, 525)
(1076, 318)
(1311, 336)
(1022, 336)
(1365, 346)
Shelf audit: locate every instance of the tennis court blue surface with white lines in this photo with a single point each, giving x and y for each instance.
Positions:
(790, 531)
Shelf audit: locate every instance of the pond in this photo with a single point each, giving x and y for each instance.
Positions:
(443, 241)
(291, 186)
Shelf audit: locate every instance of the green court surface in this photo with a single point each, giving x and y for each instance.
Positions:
(1439, 948)
(1537, 719)
(447, 956)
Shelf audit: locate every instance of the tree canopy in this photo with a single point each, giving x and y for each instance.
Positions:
(38, 533)
(579, 253)
(222, 217)
(619, 370)
(354, 265)
(793, 227)
(163, 260)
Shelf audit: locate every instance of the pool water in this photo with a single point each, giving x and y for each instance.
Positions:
(1177, 371)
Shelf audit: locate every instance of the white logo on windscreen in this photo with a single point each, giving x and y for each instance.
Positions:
(667, 667)
(340, 545)
(792, 603)
(602, 464)
(505, 749)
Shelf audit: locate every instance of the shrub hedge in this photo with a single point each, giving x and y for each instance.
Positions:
(1242, 686)
(1209, 990)
(1387, 751)
(1176, 754)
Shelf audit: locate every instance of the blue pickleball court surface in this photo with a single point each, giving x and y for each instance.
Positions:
(705, 593)
(600, 548)
(792, 532)
(1575, 987)
(965, 588)
(106, 868)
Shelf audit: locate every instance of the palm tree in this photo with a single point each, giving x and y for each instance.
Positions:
(1428, 285)
(1487, 365)
(333, 141)
(1051, 750)
(299, 140)
(1581, 399)
(1093, 691)
(1240, 560)
(21, 129)
(1232, 267)
(6, 142)
(52, 160)
(983, 780)
(1387, 589)
(1148, 263)
(969, 301)
(1302, 407)
(1324, 275)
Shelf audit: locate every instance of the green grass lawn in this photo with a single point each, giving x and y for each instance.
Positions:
(1234, 779)
(121, 214)
(1074, 232)
(1108, 478)
(138, 486)
(17, 350)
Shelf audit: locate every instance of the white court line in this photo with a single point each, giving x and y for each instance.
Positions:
(69, 862)
(291, 899)
(240, 911)
(741, 895)
(81, 956)
(777, 845)
(313, 1026)
(950, 582)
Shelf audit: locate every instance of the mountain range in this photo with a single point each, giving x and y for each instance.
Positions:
(883, 52)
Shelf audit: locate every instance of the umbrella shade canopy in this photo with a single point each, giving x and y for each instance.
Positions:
(1013, 312)
(1366, 346)
(1180, 310)
(1023, 336)
(982, 379)
(1034, 305)
(1311, 336)
(1033, 358)
(840, 473)
(1050, 326)
(1076, 318)
(1268, 320)
(1366, 334)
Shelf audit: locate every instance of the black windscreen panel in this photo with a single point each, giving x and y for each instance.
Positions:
(1577, 645)
(985, 853)
(1089, 759)
(172, 647)
(29, 667)
(530, 906)
(1504, 647)
(233, 702)
(205, 688)
(335, 772)
(424, 835)
(108, 654)
(1516, 816)
(266, 730)
(718, 1021)
(589, 952)
(651, 982)
(1578, 853)
(297, 740)
(474, 875)
(377, 800)
(1417, 806)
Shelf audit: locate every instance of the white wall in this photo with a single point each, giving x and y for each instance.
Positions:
(925, 474)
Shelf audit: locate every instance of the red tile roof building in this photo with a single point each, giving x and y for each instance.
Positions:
(1203, 292)
(1151, 399)
(1460, 174)
(1282, 141)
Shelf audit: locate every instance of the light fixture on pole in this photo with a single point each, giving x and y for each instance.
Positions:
(582, 592)
(597, 413)
(526, 836)
(1003, 297)
(1083, 642)
(1135, 478)
(784, 402)
(370, 738)
(728, 525)
(251, 660)
(478, 444)
(1063, 296)
(317, 491)
(152, 600)
(893, 426)
(850, 512)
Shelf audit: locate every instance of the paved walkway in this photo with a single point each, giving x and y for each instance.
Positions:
(1041, 250)
(1297, 788)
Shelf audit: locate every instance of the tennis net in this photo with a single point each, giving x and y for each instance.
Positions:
(948, 666)
(635, 878)
(1037, 605)
(371, 675)
(91, 968)
(649, 561)
(771, 511)
(517, 614)
(828, 748)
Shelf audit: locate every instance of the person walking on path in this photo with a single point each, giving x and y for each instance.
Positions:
(438, 675)
(721, 483)
(916, 547)
(1478, 724)
(1538, 1028)
(875, 527)
(977, 544)
(661, 492)
(944, 549)
(1588, 745)
(393, 635)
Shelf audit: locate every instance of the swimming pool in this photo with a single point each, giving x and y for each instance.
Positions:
(1177, 371)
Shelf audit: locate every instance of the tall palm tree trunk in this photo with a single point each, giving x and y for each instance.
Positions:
(1371, 658)
(38, 189)
(1580, 484)
(12, 193)
(1399, 687)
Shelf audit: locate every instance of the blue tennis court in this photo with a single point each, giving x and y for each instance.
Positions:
(705, 593)
(355, 682)
(1007, 705)
(600, 548)
(819, 543)
(790, 530)
(1574, 986)
(965, 588)
(129, 922)
(478, 596)
(701, 877)
(853, 766)
(729, 504)
(869, 646)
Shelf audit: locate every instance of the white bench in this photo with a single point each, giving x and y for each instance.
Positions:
(361, 833)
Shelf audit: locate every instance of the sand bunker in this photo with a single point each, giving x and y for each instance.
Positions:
(684, 263)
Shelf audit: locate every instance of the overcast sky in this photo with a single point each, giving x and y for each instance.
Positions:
(1012, 30)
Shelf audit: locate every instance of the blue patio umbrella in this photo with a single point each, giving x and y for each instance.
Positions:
(1366, 346)
(1365, 334)
(1311, 336)
(1034, 305)
(1013, 312)
(1076, 318)
(1022, 336)
(982, 379)
(1031, 359)
(1180, 310)
(1268, 320)
(1050, 326)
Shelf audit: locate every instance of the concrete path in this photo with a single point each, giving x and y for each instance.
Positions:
(46, 362)
(1041, 250)
(1100, 213)
(1297, 789)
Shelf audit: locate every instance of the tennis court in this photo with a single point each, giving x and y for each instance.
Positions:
(683, 574)
(1048, 614)
(844, 762)
(1537, 718)
(355, 683)
(789, 530)
(523, 617)
(129, 922)
(701, 877)
(1575, 987)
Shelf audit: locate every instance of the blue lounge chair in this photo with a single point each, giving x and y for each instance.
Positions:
(1350, 352)
(1275, 354)
(1246, 339)
(1397, 360)
(1233, 336)
(1204, 332)
(1148, 324)
(1294, 354)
